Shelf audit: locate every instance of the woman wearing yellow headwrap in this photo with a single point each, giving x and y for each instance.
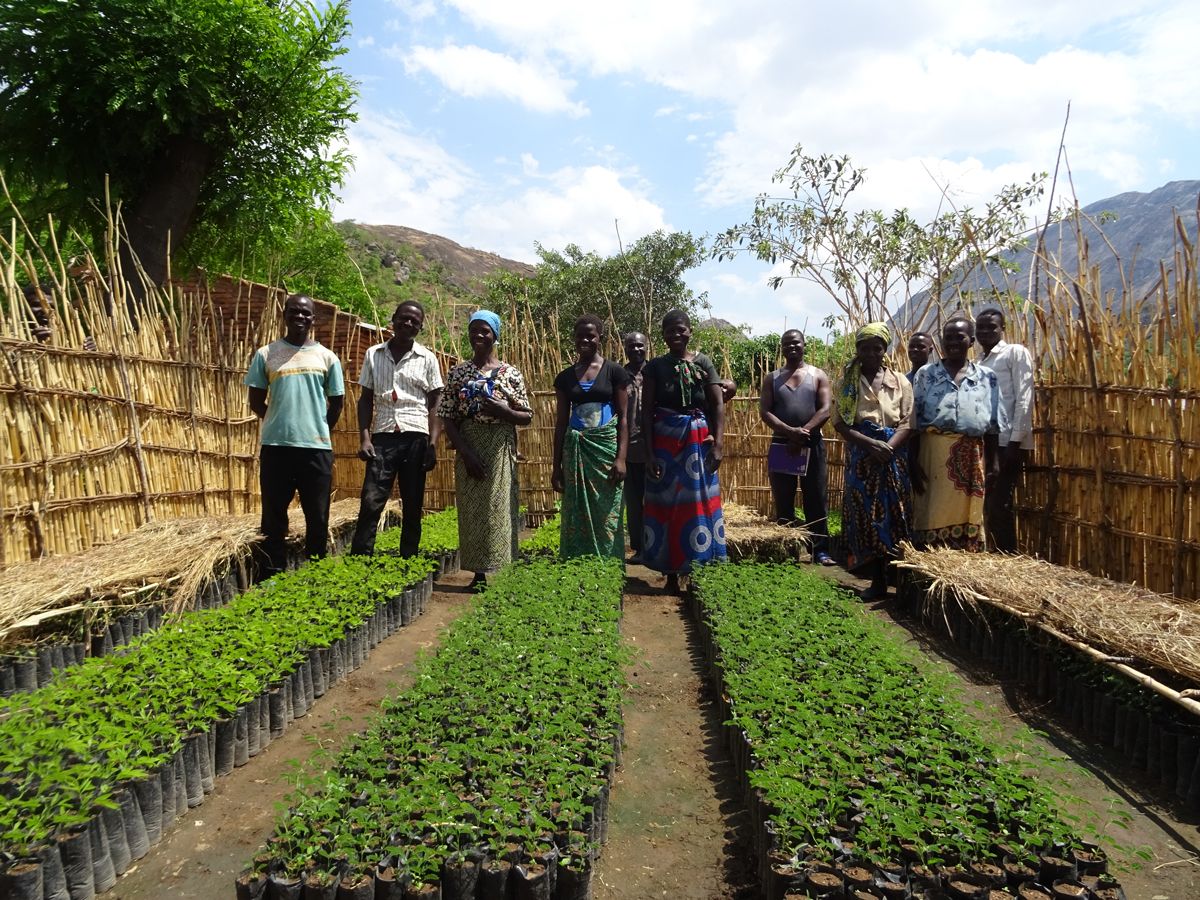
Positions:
(873, 418)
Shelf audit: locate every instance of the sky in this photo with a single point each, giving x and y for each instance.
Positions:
(502, 124)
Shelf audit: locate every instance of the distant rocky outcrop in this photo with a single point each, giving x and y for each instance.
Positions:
(464, 267)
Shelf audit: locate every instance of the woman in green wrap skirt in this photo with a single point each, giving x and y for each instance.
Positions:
(591, 436)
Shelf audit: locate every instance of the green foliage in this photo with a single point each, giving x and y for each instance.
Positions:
(66, 748)
(505, 738)
(115, 87)
(439, 534)
(747, 360)
(869, 260)
(631, 291)
(545, 539)
(852, 740)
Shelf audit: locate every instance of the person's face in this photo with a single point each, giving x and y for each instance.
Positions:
(988, 331)
(481, 336)
(919, 348)
(956, 341)
(676, 335)
(635, 349)
(793, 347)
(298, 314)
(870, 353)
(587, 339)
(407, 322)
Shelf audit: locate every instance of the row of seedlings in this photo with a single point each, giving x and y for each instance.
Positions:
(1149, 734)
(489, 777)
(864, 777)
(95, 766)
(544, 542)
(439, 540)
(99, 630)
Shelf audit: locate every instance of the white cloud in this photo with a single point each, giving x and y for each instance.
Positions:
(417, 10)
(368, 41)
(740, 292)
(477, 73)
(401, 178)
(583, 206)
(529, 164)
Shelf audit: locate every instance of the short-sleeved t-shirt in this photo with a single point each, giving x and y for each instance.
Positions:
(663, 370)
(298, 380)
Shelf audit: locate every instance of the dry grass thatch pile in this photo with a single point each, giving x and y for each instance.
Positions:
(167, 562)
(749, 535)
(1122, 620)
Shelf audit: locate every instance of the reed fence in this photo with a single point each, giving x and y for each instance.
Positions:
(130, 411)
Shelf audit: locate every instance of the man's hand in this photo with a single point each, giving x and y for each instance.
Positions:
(430, 457)
(366, 450)
(715, 454)
(1010, 457)
(497, 409)
(556, 480)
(881, 451)
(617, 473)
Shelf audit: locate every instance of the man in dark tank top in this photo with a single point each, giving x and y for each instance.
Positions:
(795, 402)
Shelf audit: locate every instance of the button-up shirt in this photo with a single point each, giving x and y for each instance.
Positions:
(401, 387)
(1013, 366)
(971, 407)
(891, 407)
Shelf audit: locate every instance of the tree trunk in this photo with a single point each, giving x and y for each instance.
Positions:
(159, 218)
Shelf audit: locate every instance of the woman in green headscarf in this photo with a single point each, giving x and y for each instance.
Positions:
(874, 409)
(683, 412)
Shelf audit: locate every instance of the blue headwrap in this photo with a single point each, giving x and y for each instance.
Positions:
(489, 317)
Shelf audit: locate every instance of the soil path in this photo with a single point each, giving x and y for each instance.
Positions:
(200, 857)
(677, 828)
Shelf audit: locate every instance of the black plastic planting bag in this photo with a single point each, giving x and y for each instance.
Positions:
(356, 887)
(149, 795)
(532, 882)
(390, 884)
(103, 874)
(250, 885)
(319, 886)
(118, 843)
(283, 887)
(75, 849)
(494, 878)
(54, 879)
(21, 880)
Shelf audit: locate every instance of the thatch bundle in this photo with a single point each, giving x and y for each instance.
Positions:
(1122, 620)
(168, 562)
(749, 535)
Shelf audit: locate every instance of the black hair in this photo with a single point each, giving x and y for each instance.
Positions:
(993, 311)
(627, 335)
(677, 315)
(793, 331)
(299, 297)
(924, 334)
(415, 304)
(961, 317)
(590, 319)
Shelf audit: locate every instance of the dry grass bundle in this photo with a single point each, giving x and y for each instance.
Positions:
(1122, 620)
(166, 561)
(749, 535)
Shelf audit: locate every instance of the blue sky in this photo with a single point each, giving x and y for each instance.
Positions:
(501, 123)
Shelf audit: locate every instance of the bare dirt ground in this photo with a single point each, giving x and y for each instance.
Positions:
(200, 857)
(677, 828)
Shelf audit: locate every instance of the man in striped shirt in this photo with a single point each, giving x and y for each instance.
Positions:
(401, 384)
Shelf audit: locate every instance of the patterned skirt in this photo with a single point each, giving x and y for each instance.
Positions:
(877, 501)
(950, 512)
(684, 524)
(488, 507)
(593, 507)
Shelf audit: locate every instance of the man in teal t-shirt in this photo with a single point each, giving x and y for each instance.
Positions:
(296, 388)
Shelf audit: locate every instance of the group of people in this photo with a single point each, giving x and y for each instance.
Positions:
(929, 455)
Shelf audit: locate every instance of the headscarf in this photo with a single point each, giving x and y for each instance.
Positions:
(489, 318)
(847, 404)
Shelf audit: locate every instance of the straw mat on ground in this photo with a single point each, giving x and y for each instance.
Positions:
(749, 535)
(1121, 619)
(178, 555)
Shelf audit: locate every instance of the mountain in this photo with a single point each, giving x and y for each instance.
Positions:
(399, 263)
(1139, 226)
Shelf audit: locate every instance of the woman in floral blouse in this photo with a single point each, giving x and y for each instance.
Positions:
(957, 416)
(484, 400)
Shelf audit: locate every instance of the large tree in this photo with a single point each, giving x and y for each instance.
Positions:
(871, 262)
(222, 112)
(632, 290)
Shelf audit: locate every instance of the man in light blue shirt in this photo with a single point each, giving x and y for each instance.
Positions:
(296, 387)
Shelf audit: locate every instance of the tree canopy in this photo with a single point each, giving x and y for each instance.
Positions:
(870, 261)
(223, 113)
(631, 290)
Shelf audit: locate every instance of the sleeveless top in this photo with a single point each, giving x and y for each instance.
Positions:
(794, 406)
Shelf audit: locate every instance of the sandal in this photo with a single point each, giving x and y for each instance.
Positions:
(823, 559)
